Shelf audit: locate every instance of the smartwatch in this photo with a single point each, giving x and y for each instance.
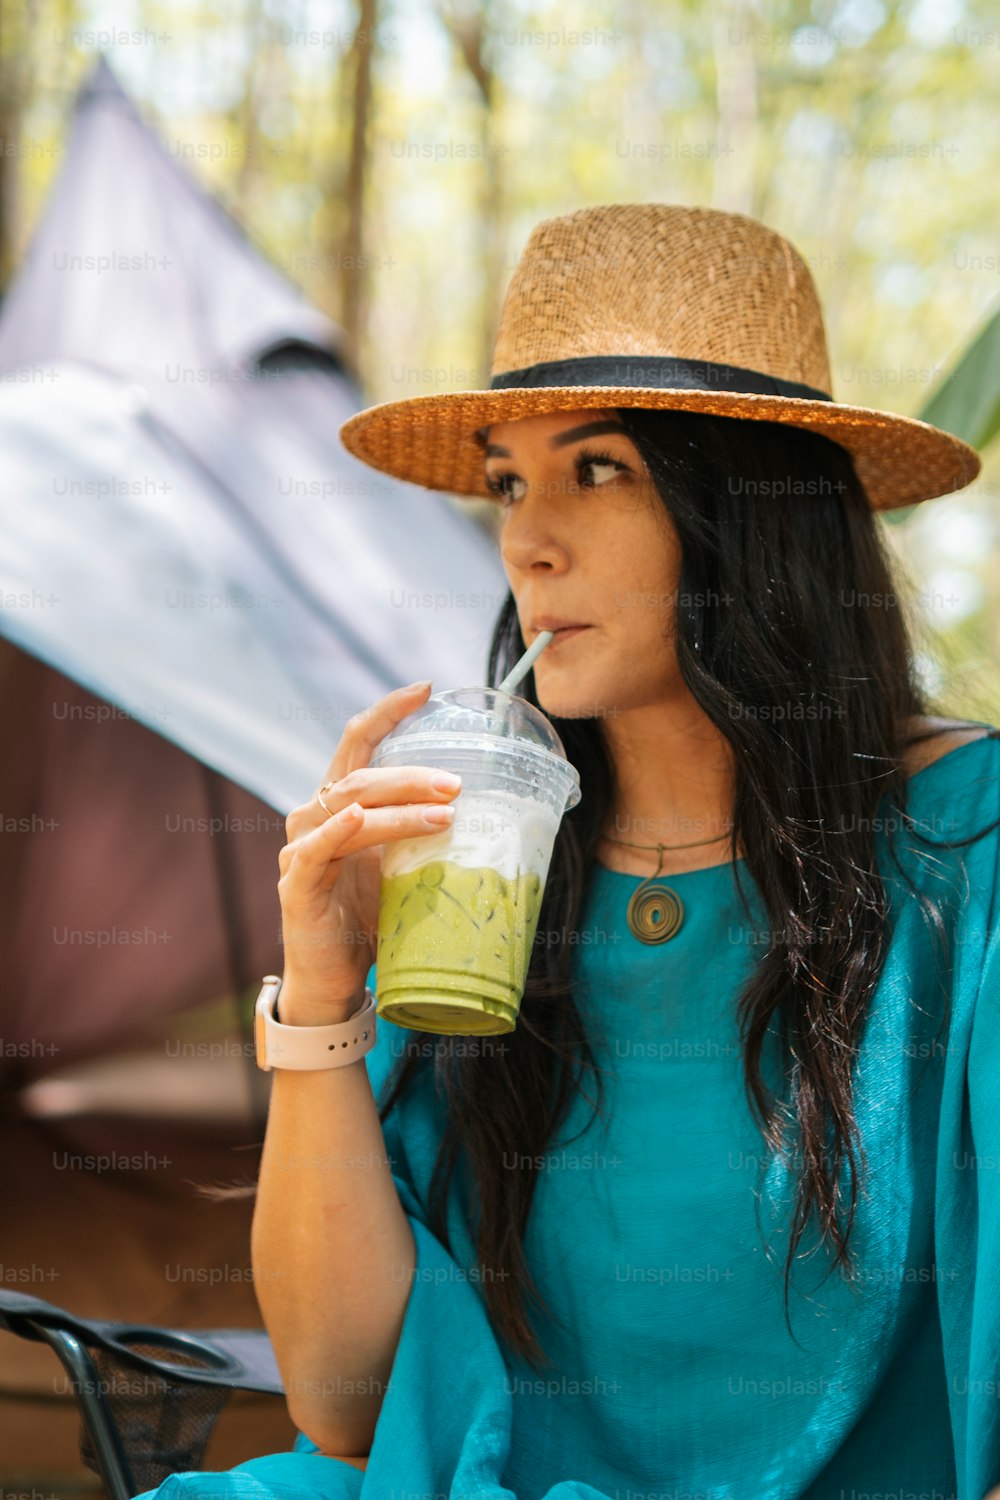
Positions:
(309, 1048)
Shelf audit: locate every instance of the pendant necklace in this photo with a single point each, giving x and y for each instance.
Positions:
(655, 912)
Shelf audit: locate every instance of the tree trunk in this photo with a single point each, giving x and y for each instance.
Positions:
(353, 279)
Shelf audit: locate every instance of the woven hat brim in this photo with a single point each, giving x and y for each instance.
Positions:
(428, 440)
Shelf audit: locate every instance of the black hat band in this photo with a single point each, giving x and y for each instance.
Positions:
(653, 370)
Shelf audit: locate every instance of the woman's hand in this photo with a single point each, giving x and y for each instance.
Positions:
(331, 866)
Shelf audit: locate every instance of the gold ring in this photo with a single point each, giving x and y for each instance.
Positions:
(325, 788)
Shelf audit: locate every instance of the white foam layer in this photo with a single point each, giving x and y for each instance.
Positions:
(508, 833)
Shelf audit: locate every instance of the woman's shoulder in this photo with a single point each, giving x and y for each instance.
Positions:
(953, 789)
(932, 739)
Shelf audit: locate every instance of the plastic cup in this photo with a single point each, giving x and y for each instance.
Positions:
(458, 910)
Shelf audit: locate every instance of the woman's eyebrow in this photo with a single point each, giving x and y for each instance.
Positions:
(571, 435)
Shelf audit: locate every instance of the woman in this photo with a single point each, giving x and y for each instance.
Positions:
(720, 1216)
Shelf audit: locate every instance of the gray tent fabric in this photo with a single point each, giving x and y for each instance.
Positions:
(189, 537)
(198, 587)
(144, 270)
(135, 882)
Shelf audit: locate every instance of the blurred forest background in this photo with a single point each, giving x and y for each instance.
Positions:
(392, 158)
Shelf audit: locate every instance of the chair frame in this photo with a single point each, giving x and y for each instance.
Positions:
(71, 1339)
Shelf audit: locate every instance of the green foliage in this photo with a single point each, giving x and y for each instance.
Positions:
(967, 402)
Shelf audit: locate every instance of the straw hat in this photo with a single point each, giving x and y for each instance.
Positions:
(659, 305)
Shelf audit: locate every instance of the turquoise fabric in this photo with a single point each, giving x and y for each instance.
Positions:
(674, 1371)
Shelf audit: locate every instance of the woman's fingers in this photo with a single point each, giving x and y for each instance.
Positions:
(368, 728)
(354, 828)
(362, 733)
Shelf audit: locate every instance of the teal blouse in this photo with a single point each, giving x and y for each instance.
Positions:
(674, 1372)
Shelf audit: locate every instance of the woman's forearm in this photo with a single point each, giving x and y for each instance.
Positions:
(333, 1253)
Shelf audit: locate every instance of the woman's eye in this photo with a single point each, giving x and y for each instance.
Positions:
(498, 486)
(610, 464)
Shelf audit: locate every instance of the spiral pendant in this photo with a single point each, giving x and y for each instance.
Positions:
(655, 912)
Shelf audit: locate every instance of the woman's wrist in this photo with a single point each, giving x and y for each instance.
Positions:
(297, 1009)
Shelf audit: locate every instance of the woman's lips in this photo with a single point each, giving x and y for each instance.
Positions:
(565, 635)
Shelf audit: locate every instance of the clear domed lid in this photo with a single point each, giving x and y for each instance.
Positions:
(480, 711)
(480, 721)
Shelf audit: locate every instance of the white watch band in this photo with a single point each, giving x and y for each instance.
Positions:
(306, 1048)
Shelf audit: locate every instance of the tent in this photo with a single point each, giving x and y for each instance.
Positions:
(199, 587)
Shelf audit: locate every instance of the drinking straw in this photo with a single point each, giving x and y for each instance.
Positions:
(521, 669)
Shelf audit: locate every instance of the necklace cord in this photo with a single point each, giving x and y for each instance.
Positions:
(692, 845)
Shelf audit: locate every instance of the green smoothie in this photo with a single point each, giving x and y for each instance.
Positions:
(454, 945)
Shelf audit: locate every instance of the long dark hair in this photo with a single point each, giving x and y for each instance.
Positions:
(773, 519)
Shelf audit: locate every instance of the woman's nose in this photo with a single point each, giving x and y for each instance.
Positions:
(532, 544)
(532, 528)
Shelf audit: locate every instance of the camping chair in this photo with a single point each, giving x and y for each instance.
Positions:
(149, 1398)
